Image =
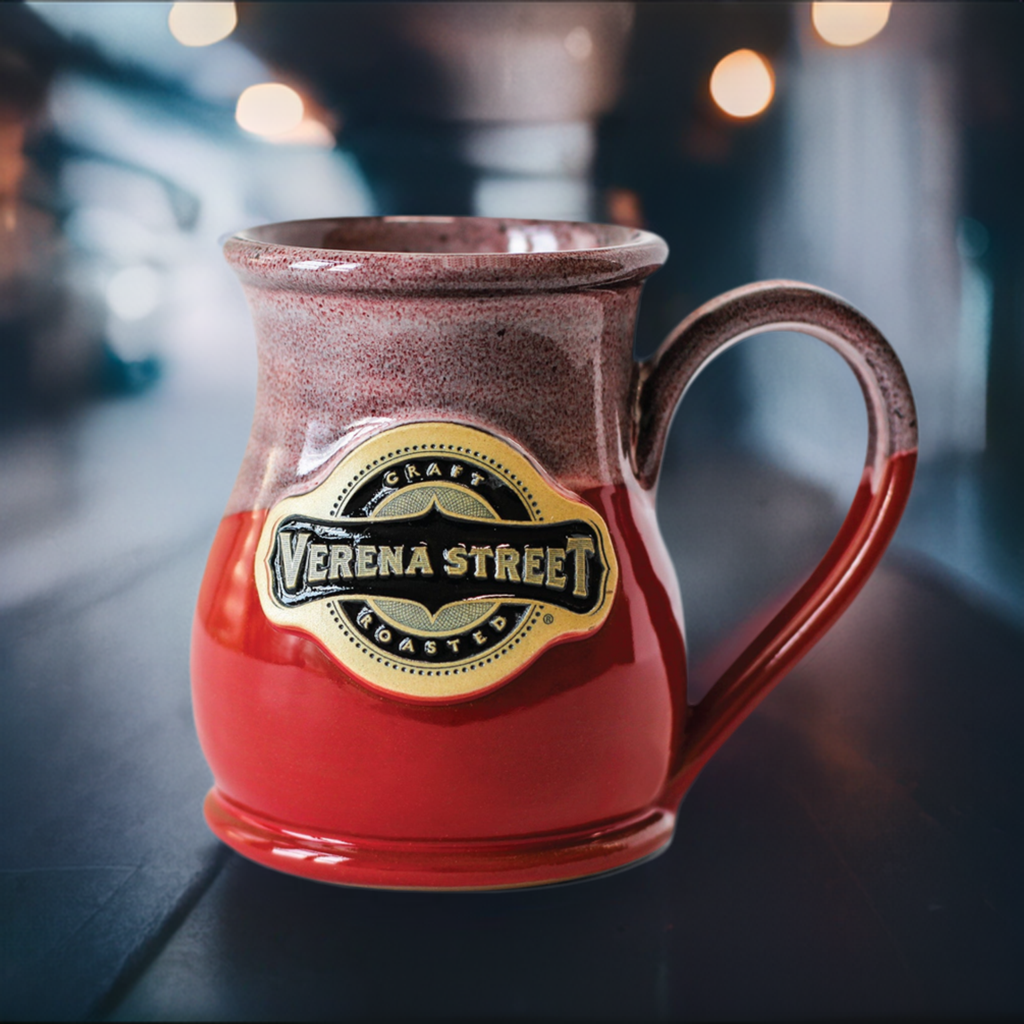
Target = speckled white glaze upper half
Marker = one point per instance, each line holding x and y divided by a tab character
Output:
523	328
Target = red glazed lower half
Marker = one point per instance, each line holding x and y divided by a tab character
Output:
553	776
573	768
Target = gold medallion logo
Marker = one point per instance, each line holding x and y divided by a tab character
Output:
435	562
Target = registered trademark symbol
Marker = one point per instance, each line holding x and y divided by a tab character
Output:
435	559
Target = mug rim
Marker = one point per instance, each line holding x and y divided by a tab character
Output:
267	256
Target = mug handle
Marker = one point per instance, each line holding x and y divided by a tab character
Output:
659	385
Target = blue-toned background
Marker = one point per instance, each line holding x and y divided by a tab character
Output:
855	850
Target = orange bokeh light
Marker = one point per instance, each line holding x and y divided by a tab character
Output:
849	24
742	84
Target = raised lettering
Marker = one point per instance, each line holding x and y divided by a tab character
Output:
407	645
498	623
341	561
383	635
365	617
476	479
430	647
292	547
456	471
555	561
505	561
316	563
412	473
390	560
455	559
453	645
364	560
391	478
479	638
582	548
419	562
481	555
433	470
531	566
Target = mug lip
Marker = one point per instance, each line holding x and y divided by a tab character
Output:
260	259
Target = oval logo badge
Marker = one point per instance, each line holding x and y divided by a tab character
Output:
435	562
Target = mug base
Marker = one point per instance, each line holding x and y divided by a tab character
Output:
435	865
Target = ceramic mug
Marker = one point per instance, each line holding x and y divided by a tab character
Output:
438	643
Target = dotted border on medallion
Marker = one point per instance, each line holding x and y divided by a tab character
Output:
481	460
423	678
526	626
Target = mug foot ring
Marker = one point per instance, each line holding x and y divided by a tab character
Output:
438	865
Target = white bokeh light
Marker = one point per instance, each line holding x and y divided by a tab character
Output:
849	24
309	132
579	44
270	108
202	24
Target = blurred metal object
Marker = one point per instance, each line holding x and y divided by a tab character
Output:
454	108
528	62
528	81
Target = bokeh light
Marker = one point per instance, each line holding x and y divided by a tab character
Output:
579	43
849	24
202	24
742	84
270	108
310	132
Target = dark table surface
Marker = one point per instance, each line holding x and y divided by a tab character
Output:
855	850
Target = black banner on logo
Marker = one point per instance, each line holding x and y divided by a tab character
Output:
436	559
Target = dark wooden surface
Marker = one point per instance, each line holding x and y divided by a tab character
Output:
855	850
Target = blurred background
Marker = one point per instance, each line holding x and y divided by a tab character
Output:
870	148
856	851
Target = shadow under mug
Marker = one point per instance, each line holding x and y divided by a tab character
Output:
439	640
